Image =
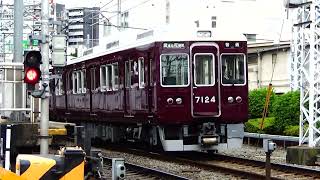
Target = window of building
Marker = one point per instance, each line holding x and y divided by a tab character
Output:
214	21
167	12
204	69
233	69
124	19
106	28
174	69
141	72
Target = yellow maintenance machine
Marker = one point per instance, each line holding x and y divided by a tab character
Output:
67	165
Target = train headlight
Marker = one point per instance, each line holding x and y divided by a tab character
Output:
230	99
237	44
238	99
179	100
170	101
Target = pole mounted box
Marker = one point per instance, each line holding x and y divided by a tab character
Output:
59	46
118	169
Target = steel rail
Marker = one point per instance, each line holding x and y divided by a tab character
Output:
241	167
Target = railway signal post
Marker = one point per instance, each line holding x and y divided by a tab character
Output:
268	147
44	123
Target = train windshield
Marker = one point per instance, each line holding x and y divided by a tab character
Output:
174	70
233	69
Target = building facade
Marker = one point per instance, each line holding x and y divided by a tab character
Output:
83	27
269	63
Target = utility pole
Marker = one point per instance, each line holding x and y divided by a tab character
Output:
306	44
17	98
119	14
44	123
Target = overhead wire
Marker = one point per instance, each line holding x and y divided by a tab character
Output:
112	25
127	10
90	14
278	47
269	91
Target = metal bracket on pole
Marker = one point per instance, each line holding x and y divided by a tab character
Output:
40	93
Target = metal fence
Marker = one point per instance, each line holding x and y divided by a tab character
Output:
283	139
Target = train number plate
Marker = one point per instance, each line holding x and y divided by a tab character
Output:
205	99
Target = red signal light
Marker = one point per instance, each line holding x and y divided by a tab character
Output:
32	75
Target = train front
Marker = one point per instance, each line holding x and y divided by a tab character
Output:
202	100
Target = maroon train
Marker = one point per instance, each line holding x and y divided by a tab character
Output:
184	92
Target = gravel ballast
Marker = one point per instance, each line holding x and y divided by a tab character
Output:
179	169
248	152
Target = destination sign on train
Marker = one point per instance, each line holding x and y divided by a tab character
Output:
173	45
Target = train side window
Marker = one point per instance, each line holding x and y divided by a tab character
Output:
103	78
141	72
151	72
83	81
59	87
115	76
93	78
204	66
78	78
174	70
74	82
109	77
233	69
70	82
128	74
56	82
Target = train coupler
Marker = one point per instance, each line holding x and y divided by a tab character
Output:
208	140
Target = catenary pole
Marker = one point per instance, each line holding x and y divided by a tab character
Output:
17	56
44	139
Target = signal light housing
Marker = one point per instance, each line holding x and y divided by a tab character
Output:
32	75
32	72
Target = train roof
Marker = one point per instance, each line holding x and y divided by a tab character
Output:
131	39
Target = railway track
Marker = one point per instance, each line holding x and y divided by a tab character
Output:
134	172
240	167
249	168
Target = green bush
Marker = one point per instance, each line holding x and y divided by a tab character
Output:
286	110
291	130
257	100
253	125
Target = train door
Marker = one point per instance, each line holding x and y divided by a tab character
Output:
150	81
204	88
127	87
141	103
